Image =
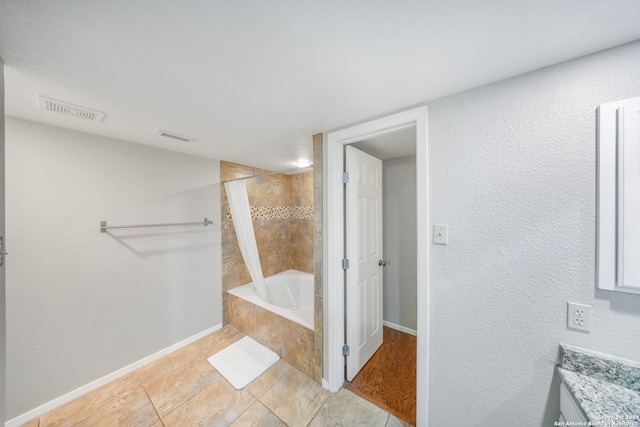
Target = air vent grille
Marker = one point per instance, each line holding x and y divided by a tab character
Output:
70	109
174	135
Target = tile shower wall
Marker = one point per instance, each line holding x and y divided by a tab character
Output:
317	252
287	224
282	212
292	342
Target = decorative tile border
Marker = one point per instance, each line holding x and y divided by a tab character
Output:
269	212
279	212
301	212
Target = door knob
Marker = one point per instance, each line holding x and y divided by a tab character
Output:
382	263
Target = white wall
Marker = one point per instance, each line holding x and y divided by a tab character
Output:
513	172
400	275
82	304
3	341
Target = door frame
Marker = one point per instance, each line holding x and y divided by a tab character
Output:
333	236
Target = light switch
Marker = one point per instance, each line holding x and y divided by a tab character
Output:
440	234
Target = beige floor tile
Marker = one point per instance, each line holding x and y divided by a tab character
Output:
295	398
268	378
345	408
188	354
213	343
130	409
219	404
258	416
397	422
168	363
92	402
178	386
32	423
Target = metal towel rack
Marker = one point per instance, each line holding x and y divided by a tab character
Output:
104	227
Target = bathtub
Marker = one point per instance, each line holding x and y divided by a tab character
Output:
289	295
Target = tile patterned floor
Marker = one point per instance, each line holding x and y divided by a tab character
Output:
183	389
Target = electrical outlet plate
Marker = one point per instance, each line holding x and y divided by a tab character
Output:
579	316
440	234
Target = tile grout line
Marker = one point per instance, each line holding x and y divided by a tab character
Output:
188	400
243	412
319	409
114	397
267	390
270	411
111	400
244	388
201	353
149	398
272	385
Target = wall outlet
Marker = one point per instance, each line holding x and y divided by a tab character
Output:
579	316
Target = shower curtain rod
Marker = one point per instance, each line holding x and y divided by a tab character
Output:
270	173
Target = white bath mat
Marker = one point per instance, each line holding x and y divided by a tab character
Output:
243	361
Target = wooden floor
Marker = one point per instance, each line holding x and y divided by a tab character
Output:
389	378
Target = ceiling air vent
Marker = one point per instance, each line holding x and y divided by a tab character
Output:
73	110
174	135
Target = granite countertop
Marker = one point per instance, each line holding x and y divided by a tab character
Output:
606	388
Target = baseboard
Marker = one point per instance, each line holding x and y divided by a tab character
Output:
400	328
59	401
325	384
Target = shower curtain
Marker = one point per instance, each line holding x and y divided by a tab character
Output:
241	215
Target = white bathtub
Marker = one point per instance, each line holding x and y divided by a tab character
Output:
289	294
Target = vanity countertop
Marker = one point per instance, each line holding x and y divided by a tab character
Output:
606	388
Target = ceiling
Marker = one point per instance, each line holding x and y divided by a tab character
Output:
252	80
390	145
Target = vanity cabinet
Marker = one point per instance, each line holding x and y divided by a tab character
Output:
569	409
598	389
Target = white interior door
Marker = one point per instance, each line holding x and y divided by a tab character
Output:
364	251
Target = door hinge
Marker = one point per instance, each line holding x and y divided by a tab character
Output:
345	263
345	350
3	252
345	177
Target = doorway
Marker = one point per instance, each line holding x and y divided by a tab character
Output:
387	378
333	236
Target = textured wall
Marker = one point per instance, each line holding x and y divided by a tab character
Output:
284	242
400	275
512	171
82	304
